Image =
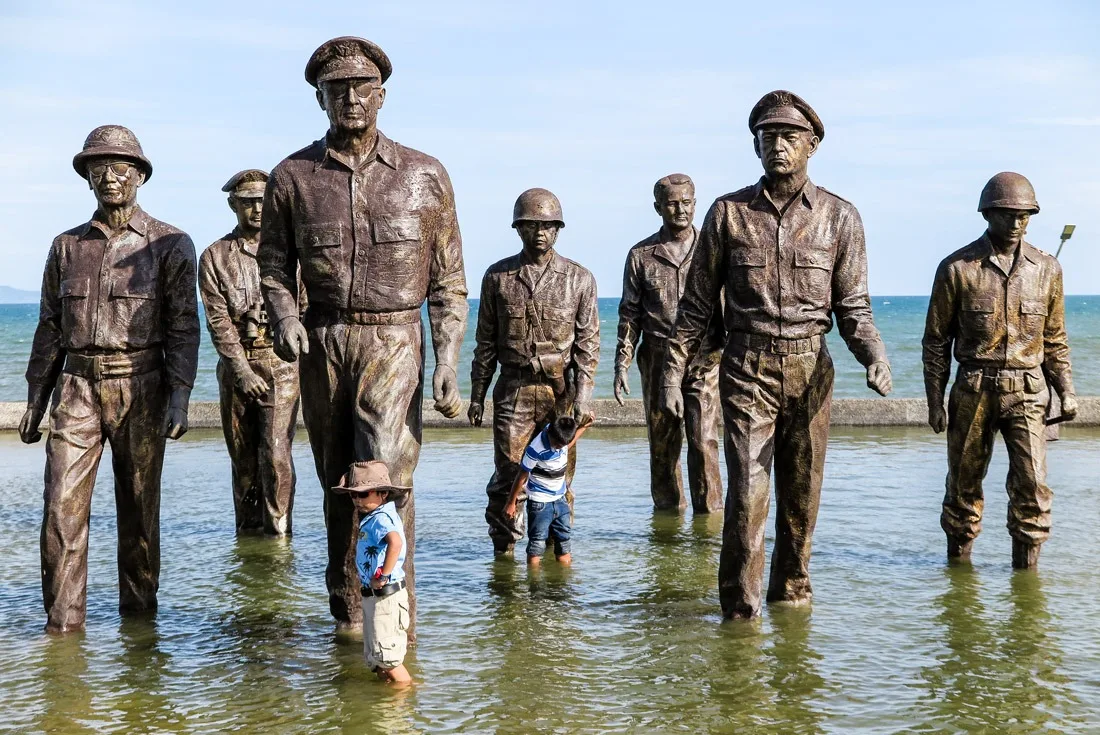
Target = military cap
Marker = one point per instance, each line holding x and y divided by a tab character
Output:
785	108
242	180
347	57
111	141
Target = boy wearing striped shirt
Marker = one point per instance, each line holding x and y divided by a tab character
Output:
542	476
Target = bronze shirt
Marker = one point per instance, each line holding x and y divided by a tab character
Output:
563	300
1010	320
379	238
784	275
229	283
105	291
653	284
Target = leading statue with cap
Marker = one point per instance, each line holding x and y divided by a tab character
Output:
117	348
372	225
258	392
790	257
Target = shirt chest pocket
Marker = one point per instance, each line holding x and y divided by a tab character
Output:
558	323
74	301
319	236
514	318
134	307
977	316
399	236
1033	315
813	273
748	266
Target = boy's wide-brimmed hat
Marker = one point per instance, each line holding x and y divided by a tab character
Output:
362	477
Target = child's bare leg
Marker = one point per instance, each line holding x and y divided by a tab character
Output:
398	675
565	559
534	561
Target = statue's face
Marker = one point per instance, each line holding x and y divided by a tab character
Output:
249	211
351	104
1007	225
677	207
784	149
115	181
538	237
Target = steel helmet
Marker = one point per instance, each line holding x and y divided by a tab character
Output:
1008	190
537	205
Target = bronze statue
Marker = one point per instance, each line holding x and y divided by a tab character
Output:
117	346
372	224
998	303
790	255
653	282
538	320
258	391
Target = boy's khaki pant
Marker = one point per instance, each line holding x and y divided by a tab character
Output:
385	626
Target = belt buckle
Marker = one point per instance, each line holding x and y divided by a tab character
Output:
779	346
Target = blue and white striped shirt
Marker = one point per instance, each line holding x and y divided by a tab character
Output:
547	467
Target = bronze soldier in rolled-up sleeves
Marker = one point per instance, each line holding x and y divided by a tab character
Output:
258	391
538	320
372	224
117	346
653	282
790	256
998	302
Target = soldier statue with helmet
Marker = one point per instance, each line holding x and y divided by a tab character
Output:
258	391
997	305
538	320
117	348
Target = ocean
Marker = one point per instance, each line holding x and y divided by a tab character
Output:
899	318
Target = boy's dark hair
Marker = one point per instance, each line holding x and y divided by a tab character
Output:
562	430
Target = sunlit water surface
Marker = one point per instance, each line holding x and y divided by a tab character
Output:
629	640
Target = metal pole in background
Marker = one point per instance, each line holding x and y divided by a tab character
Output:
1054	410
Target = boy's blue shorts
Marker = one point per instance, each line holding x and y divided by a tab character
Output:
548	521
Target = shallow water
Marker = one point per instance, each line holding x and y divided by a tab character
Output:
630	639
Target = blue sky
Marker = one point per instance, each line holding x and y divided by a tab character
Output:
595	101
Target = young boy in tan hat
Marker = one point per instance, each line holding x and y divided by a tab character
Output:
379	555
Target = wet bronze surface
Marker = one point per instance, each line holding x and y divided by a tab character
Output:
997	305
117	346
371	225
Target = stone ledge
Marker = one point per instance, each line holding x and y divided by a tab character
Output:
846	412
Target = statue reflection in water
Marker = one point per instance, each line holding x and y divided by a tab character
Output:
998	670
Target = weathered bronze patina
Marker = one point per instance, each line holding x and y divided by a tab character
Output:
372	225
258	391
117	347
998	302
653	282
538	320
790	256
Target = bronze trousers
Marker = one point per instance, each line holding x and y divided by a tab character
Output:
259	435
522	407
974	418
361	394
666	434
129	413
776	409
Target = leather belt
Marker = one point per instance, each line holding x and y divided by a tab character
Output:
322	317
383	592
776	345
258	352
114	364
998	380
523	372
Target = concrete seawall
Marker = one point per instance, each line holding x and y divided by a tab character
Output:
846	412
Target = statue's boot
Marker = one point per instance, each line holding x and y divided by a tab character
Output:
958	550
1025	555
